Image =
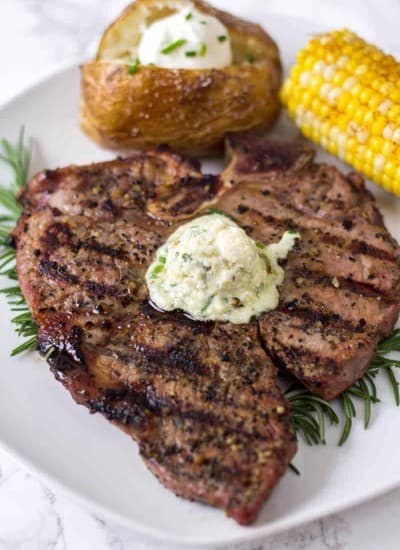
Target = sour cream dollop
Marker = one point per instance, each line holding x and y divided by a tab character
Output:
211	269
188	39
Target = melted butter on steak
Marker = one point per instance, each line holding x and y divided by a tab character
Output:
213	271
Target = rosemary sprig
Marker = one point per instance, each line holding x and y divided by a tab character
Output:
365	389
17	157
311	413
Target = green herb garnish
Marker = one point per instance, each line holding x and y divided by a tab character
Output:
250	58
157	269
210	211
133	69
188	16
207	304
365	389
173	46
203	49
17	157
310	413
187	257
222	38
191	53
160	266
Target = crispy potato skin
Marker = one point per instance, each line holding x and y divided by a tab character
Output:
189	110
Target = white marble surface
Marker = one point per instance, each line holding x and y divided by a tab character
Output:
38	37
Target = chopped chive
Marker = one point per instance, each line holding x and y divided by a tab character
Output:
173	46
222	37
208	303
188	16
250	58
162	259
133	69
157	270
260	245
187	257
191	53
203	22
203	49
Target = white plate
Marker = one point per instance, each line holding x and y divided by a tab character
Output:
94	462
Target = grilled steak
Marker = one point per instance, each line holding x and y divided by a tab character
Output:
341	293
201	399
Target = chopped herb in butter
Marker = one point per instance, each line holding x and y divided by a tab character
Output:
211	269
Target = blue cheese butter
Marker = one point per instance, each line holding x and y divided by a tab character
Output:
212	270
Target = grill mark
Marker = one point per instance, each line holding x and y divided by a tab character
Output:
180	357
294	354
57	234
360	289
129	405
57	272
354	246
308	381
217	473
359	247
99	247
101	290
196	374
328	319
60	234
178	318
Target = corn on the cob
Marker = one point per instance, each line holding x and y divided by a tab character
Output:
344	94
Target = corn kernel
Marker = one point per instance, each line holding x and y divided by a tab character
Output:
345	95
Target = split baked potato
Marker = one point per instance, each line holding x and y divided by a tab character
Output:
190	110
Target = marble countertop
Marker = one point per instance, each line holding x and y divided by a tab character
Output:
37	37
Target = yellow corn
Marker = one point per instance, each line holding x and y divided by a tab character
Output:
344	94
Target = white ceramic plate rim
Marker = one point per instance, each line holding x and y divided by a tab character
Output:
257	533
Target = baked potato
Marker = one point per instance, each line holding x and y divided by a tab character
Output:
190	110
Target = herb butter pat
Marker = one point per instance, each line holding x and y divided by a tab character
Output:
188	39
212	270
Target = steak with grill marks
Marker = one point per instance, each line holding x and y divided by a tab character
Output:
201	399
341	292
